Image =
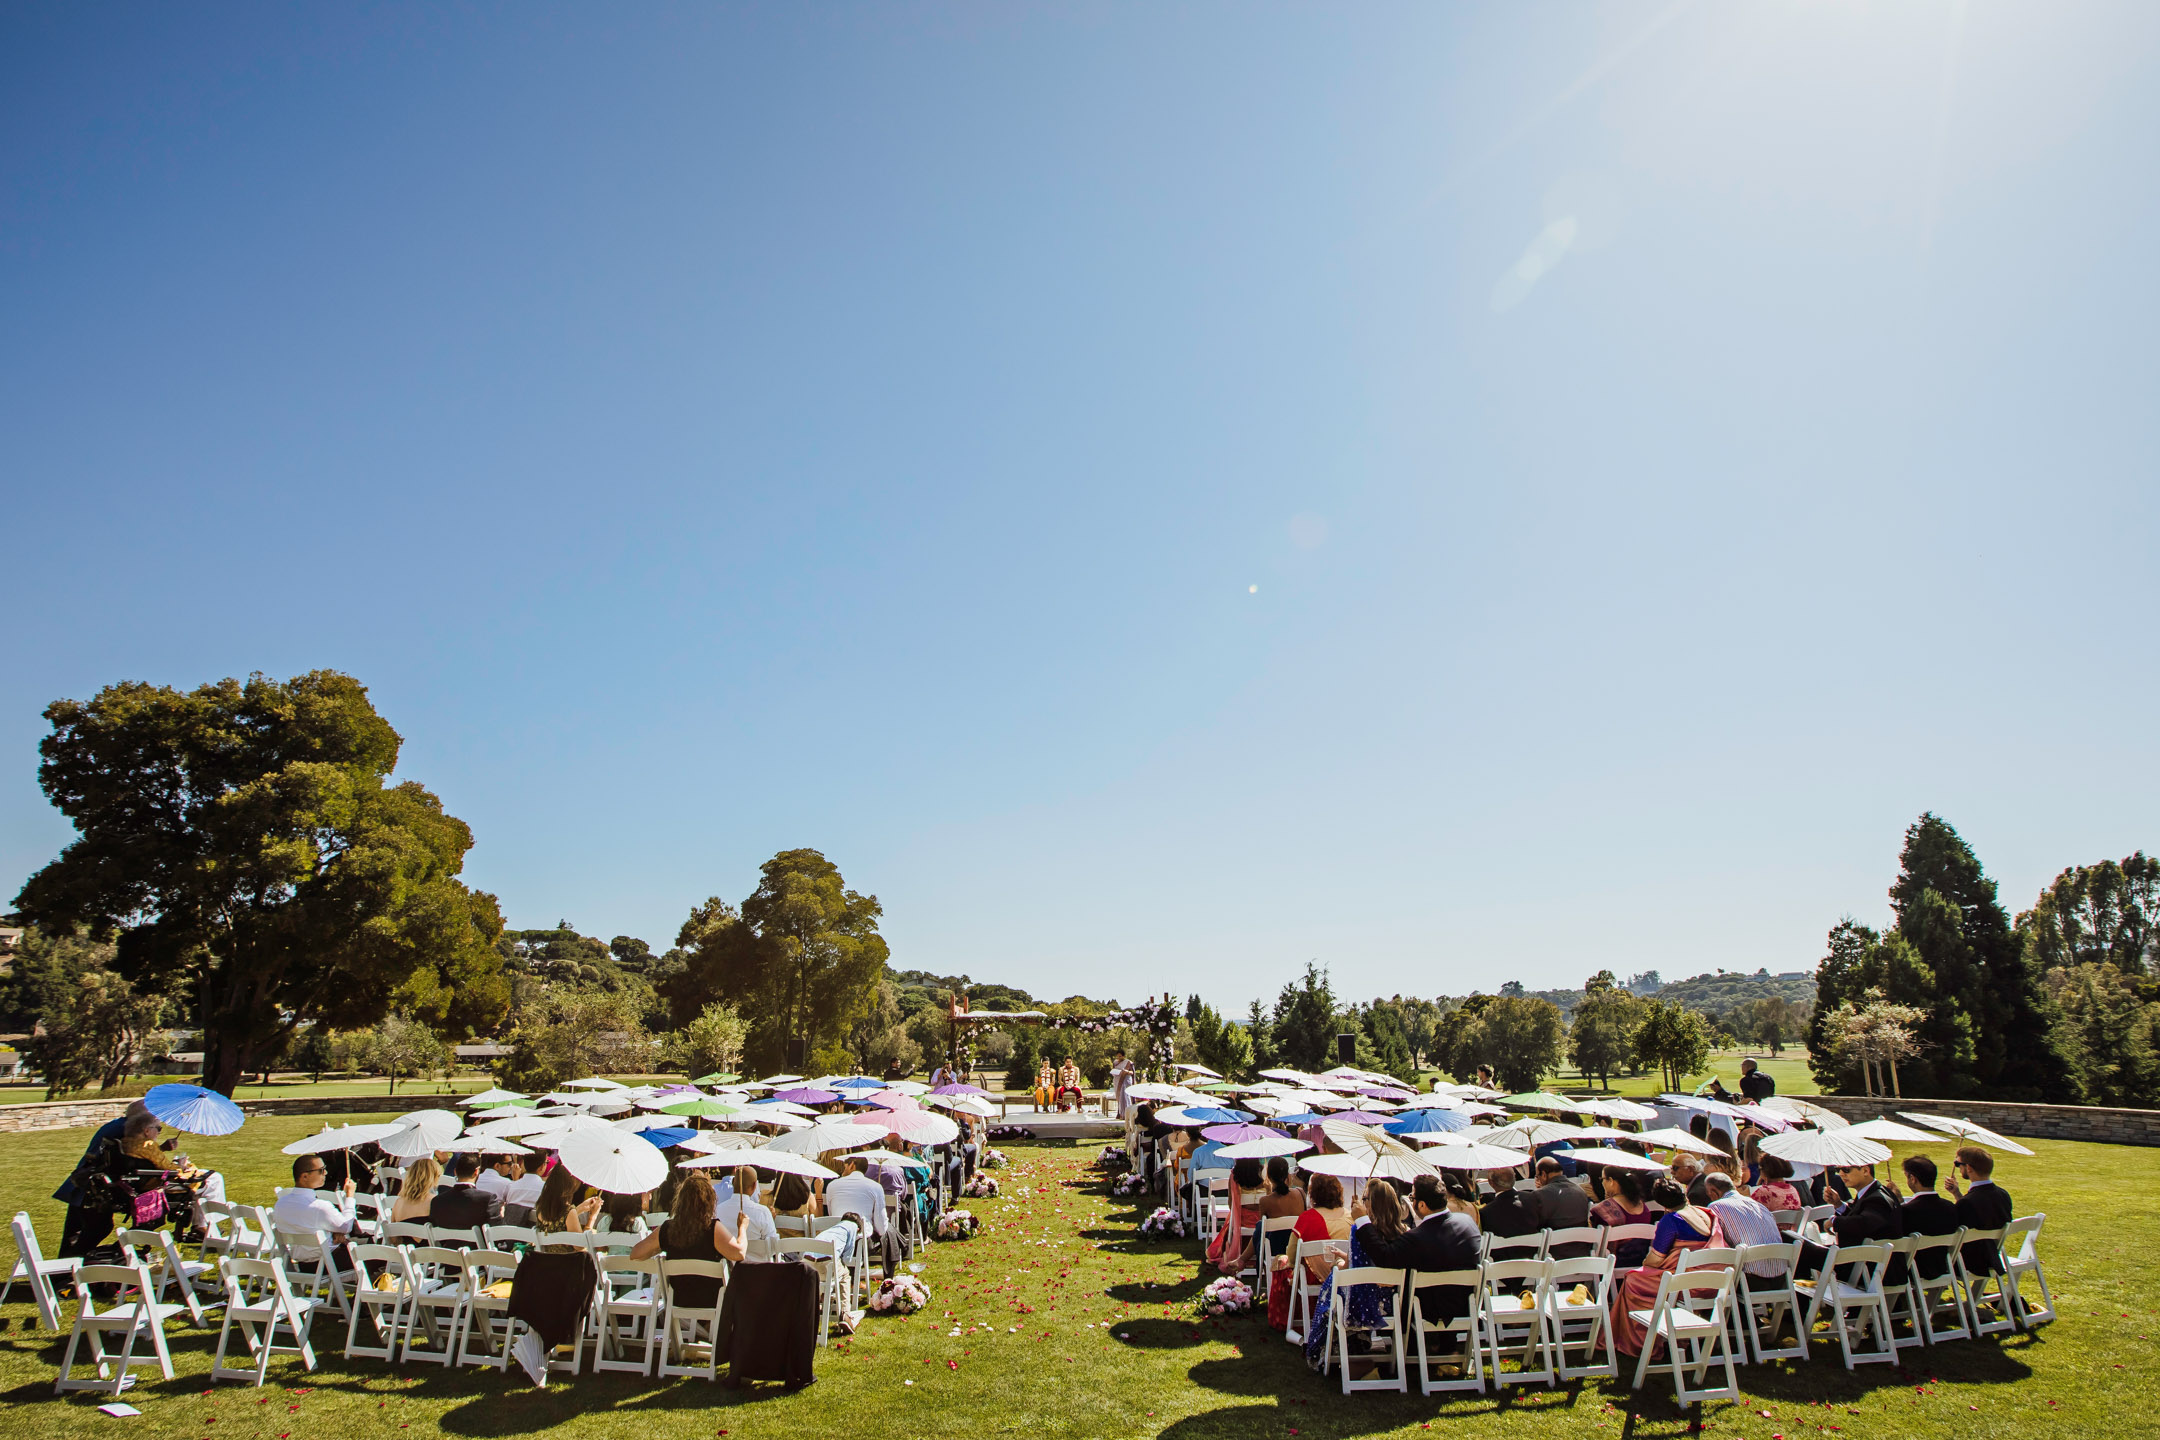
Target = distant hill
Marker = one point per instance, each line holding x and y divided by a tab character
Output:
1711	994
1716	994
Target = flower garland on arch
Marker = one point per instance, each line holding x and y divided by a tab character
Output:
1157	1019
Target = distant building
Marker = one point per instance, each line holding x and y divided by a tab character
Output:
480	1053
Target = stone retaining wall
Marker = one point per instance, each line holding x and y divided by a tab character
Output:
2045	1122
69	1114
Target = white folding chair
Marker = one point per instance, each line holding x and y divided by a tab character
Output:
1211	1202
1986	1291
1511	1248
1587	1237
451	1237
1764	1304
1467	1327
259	1301
437	1304
1901	1295
382	1302
1340	1325
856	1259
1273	1239
407	1232
823	1252
1934	1305
1859	1295
1691	1338
1514	1327
370	1214
1304	1289
502	1237
1580	1327
481	1270
629	1315
688	1327
157	1250
34	1270
316	1277
133	1314
2021	1257
1618	1235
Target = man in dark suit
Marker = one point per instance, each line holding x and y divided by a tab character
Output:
1561	1205
1927	1213
1757	1086
1443	1239
1510	1212
1872	1217
1986	1206
461	1204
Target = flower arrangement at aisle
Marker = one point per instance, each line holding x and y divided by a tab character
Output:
900	1295
980	1187
1113	1158
1225	1296
957	1225
1164	1224
992	1160
1128	1185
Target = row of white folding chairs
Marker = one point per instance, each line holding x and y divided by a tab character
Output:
257	1302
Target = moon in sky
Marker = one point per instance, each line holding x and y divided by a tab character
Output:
1252	590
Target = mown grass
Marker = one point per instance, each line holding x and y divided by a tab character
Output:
1070	1326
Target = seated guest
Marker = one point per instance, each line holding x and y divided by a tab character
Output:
691	1233
745	1202
522	1193
1561	1204
1461	1197
1986	1206
494	1176
304	1209
1687	1173
1625	1204
856	1194
623	1215
1326	1218
417	1192
792	1197
1871	1217
139	1143
1443	1239
1744	1222
1510	1212
462	1205
1927	1213
1776	1190
1684	1227
559	1210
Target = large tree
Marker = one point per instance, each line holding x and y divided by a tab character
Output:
801	960
1601	1041
244	848
1302	1030
1522	1039
2104	914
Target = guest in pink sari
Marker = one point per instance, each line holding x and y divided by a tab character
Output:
1687	1227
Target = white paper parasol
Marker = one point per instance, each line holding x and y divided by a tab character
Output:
1672	1137
784	1162
819	1139
1475	1157
1264	1149
490	1097
1821	1116
342	1137
1885	1129
1826	1147
1967	1130
611	1160
917	1127
1610	1159
1367	1167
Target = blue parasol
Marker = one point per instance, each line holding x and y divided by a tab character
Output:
857	1082
1302	1118
665	1135
1428	1122
193	1109
1213	1115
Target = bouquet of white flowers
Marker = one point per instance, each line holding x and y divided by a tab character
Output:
1226	1296
981	1187
900	1295
992	1160
957	1225
1127	1186
1164	1224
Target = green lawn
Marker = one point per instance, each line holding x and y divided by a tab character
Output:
1071	1327
1789	1070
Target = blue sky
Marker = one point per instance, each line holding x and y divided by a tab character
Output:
1158	494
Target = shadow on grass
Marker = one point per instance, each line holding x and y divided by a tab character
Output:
1159	1334
1158	1293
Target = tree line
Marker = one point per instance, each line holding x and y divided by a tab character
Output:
1956	999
